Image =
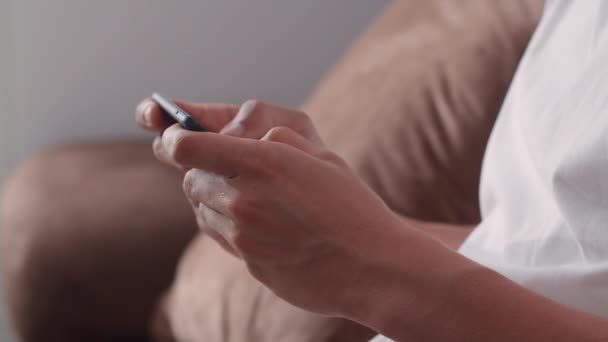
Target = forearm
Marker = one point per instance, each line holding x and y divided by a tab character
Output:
451	235
485	306
426	292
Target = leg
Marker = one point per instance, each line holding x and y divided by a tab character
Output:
215	298
91	237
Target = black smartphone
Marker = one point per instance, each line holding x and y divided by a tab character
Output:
178	114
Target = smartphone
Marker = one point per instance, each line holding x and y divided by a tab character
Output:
178	114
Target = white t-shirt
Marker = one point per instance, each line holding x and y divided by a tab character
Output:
544	189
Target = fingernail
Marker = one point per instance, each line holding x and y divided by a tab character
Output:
148	114
141	110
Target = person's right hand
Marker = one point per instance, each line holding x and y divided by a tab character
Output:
254	119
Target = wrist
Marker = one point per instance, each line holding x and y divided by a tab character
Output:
408	279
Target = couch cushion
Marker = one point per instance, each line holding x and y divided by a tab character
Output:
412	104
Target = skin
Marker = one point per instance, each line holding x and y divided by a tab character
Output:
306	226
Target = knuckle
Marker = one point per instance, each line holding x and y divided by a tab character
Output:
279	133
257	105
254	110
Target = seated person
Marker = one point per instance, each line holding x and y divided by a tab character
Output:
296	216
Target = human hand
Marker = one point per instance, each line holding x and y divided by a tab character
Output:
252	120
293	211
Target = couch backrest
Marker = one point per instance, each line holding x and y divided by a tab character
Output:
412	104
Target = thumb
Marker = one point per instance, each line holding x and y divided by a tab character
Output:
289	137
256	118
292	138
213	116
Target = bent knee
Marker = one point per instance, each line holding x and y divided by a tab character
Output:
33	201
46	195
29	205
48	188
43	256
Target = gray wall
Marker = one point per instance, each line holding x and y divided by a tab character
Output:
83	65
74	70
7	83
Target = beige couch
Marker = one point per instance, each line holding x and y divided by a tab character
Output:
410	107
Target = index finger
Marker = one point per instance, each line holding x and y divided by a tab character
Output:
213	116
221	154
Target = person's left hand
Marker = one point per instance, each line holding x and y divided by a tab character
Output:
292	210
